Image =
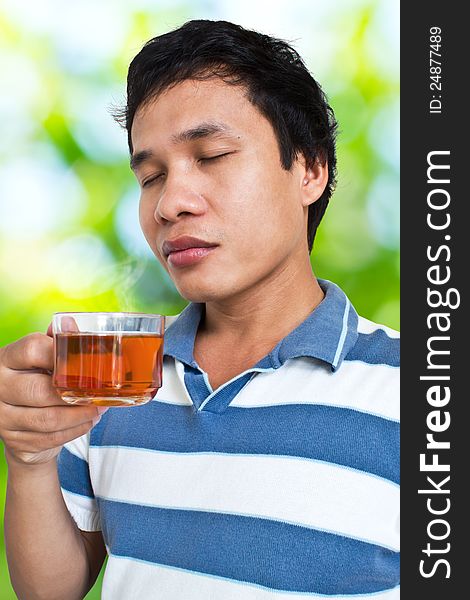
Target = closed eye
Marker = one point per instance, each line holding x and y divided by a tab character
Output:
151	180
205	159
212	158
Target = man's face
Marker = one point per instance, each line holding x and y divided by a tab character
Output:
209	167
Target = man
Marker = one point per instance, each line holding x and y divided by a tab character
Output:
267	464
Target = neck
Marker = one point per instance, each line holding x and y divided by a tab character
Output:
237	332
265	314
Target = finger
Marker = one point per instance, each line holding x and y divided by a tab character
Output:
49	330
34	351
32	441
68	325
47	419
63	324
28	388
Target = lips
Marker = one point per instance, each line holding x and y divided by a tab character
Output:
186	250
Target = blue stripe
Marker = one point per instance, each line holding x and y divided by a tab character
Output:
376	349
331	434
74	475
241	513
259	551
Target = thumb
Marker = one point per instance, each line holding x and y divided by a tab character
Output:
67	324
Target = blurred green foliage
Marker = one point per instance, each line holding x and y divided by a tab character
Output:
69	235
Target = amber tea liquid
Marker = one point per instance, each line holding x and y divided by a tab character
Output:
108	369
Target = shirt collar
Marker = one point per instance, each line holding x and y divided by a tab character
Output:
180	335
327	334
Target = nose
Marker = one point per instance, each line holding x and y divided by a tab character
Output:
178	198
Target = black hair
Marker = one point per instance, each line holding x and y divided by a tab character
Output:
274	75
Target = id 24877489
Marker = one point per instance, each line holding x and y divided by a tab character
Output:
435	70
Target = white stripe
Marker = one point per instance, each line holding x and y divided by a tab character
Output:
372	389
208	383
127	579
79	446
173	390
84	511
366	326
342	337
299	491
170	319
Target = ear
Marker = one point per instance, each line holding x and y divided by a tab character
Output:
313	181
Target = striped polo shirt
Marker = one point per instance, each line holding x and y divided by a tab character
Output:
280	484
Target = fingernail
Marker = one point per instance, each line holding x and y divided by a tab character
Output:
96	420
102	409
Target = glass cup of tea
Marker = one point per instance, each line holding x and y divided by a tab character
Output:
107	358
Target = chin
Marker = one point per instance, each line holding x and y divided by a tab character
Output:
201	295
204	291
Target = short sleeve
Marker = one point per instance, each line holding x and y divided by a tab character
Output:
75	482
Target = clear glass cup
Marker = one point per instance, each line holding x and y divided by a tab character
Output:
108	359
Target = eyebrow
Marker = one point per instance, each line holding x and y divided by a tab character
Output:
203	130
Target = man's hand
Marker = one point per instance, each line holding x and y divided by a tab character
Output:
34	420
